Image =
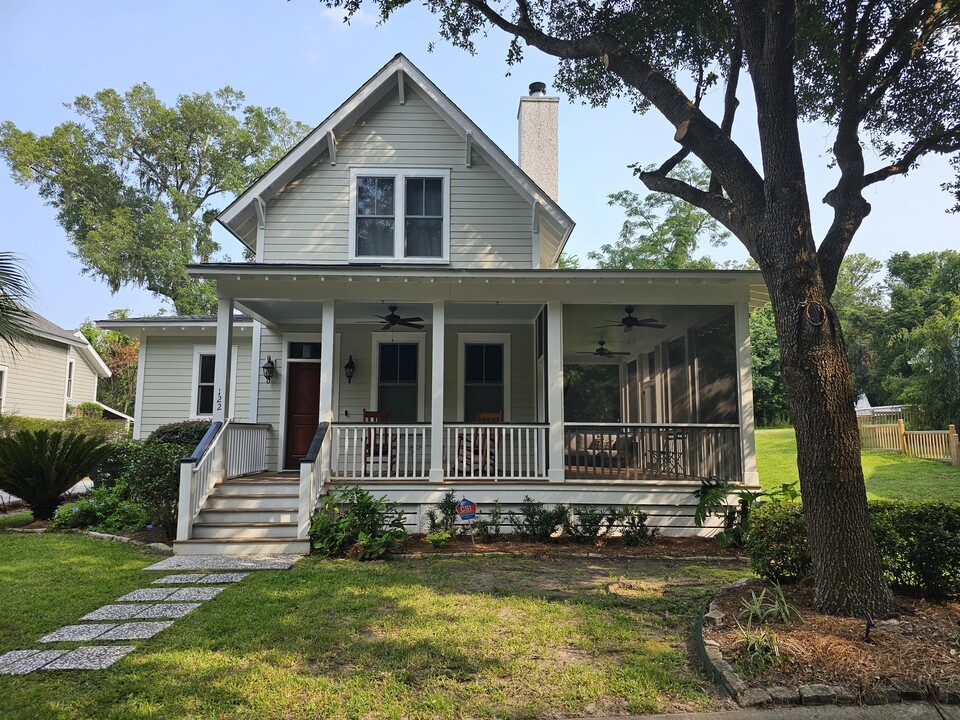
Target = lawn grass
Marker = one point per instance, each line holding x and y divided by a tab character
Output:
15	519
889	475
477	637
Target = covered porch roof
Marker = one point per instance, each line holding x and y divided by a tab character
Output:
281	294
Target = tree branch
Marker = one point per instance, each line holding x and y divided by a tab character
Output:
730	102
716	206
670	163
946	142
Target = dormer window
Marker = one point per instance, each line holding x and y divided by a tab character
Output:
400	215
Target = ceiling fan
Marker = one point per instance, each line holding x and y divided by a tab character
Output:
393	319
629	322
601	350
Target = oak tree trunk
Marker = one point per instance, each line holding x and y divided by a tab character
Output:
847	571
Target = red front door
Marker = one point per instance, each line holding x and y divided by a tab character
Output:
303	410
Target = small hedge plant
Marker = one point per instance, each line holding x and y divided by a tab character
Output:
94	427
355	521
103	509
919	544
153	476
184	432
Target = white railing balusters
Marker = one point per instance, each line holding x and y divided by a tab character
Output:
491	451
313	476
380	451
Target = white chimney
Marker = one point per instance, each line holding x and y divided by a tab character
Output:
538	145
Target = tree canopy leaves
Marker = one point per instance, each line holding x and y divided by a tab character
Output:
135	181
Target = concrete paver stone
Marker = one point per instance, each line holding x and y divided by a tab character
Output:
217	578
166	610
77	633
148	595
191	594
26	661
115	612
136	630
226	563
185	579
95	657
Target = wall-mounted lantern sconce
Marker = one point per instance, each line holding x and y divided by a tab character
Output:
268	369
349	369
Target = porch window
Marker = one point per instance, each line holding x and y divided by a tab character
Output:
399	215
679	380
397	390
482	379
716	371
205	375
3	386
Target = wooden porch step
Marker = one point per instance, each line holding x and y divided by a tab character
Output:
247	516
242	546
231	488
244	530
247	501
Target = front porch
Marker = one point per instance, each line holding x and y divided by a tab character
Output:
557	388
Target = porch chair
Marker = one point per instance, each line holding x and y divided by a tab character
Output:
478	447
377	448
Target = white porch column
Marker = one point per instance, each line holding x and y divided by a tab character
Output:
327	338
555	390
222	369
748	445
436	393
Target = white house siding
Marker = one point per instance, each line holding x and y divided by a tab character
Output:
168	378
36	381
308	221
269	394
84	380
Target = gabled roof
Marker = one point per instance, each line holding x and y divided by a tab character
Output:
240	217
40	327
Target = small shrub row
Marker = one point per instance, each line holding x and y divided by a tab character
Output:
356	522
95	427
185	432
536	521
919	544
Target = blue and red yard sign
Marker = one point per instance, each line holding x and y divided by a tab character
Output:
467	509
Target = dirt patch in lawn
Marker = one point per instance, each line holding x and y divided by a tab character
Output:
920	646
671	547
147	535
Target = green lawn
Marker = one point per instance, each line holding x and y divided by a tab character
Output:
888	475
493	637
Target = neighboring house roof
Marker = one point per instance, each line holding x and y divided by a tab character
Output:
40	327
240	217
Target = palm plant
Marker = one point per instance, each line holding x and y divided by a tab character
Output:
15	292
38	467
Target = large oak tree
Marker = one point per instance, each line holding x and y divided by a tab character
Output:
883	74
135	182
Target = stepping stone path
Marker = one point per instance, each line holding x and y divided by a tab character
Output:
140	614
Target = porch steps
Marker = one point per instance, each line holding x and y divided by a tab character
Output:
254	515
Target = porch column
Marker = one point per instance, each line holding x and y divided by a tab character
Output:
222	369
555	390
327	338
436	393
748	446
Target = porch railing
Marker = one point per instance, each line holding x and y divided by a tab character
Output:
486	451
246	448
381	451
313	476
199	473
640	450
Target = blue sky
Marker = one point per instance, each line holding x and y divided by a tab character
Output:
300	57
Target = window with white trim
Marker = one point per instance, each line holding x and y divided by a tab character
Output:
70	371
202	392
205	375
400	215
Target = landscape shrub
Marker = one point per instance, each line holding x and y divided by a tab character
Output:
114	464
488	528
184	432
632	523
587	523
103	509
86	409
153	476
443	518
95	427
919	544
534	521
38	467
356	519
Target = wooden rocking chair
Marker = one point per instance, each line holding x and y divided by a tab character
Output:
379	449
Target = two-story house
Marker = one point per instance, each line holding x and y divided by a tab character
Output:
404	327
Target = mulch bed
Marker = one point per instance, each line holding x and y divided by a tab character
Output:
682	547
153	535
922	645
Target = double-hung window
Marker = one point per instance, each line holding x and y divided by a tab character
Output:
400	215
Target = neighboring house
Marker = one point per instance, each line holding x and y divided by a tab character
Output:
405	328
52	369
